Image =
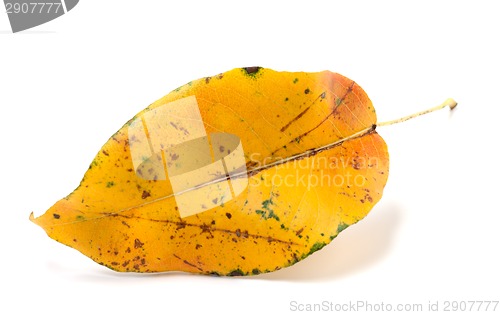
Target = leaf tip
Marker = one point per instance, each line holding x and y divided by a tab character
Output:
33	219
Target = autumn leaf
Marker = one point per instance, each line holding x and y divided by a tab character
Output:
245	172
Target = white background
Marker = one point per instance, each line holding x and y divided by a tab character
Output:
67	85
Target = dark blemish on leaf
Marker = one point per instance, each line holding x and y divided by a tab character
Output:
143	261
236	273
56	216
306	91
181	225
130	170
138	243
214	201
222	149
295	80
299	231
174	156
115	252
105	153
128	250
251	70
125	263
114	263
213	222
323	95
174	125
238	232
136	267
172	237
255	271
125	223
207	80
234	240
74	240
145	194
228	215
198	246
286	99
205	228
242	257
356	165
110	184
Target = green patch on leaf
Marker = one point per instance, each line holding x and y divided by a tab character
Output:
342	226
316	246
267	214
236	273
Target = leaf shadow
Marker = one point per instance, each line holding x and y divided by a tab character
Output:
357	248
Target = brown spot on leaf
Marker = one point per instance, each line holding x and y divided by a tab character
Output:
105	153
56	216
228	215
173	125
251	70
299	231
181	225
145	194
138	243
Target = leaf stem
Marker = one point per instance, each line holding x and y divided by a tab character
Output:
448	103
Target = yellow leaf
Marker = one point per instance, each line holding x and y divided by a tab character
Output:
241	173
